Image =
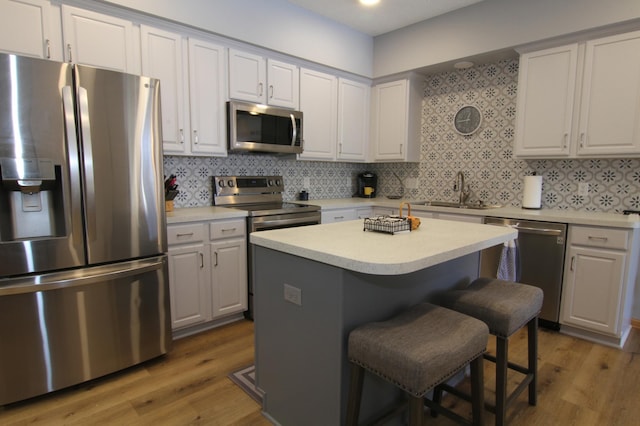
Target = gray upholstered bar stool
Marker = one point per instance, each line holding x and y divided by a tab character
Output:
416	350
506	307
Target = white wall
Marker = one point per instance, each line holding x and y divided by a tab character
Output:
274	24
490	26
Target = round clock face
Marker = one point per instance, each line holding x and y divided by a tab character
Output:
467	120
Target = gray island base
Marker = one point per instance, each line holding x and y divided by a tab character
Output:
315	284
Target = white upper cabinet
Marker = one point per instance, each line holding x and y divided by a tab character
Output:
546	90
283	88
319	104
98	40
192	85
395	121
253	78
580	100
610	109
164	57
30	28
207	83
353	120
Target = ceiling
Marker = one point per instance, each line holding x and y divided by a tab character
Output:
388	15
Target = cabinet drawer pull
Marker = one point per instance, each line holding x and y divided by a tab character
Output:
181	136
216	263
195	137
603	239
260	89
48	49
338	217
271	91
186	234
69	52
201	261
228	230
573	261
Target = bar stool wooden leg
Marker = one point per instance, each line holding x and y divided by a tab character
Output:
502	349
532	335
477	391
355	394
416	410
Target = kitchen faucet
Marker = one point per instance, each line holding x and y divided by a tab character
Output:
458	185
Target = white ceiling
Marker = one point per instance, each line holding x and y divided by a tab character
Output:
388	15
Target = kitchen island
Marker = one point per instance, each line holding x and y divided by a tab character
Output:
314	284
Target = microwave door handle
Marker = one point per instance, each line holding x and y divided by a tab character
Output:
295	130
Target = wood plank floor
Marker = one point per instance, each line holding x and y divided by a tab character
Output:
580	383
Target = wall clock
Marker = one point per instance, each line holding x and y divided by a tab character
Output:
467	120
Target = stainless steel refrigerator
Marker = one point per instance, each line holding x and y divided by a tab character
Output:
83	273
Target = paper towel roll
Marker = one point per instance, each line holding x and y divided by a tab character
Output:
532	197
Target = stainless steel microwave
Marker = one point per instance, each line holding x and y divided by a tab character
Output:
261	128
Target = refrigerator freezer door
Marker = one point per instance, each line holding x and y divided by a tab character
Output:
40	198
119	121
69	327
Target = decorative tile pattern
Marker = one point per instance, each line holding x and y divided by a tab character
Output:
328	180
486	157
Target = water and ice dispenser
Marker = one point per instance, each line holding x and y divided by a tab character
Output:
30	199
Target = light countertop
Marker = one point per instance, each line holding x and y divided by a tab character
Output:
346	245
198	214
547	215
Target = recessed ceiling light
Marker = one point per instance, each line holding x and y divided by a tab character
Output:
369	2
463	65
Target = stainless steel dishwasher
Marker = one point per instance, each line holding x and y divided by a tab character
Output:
540	261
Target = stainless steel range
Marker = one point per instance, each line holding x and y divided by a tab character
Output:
261	198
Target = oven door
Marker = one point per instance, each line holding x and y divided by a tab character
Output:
265	223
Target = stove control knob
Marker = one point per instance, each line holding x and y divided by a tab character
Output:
221	183
278	182
269	182
230	183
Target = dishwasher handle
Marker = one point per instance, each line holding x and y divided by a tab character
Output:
541	231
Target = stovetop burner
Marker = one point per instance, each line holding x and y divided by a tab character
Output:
258	195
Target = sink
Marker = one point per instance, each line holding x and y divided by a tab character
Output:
477	205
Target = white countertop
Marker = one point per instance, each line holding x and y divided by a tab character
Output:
547	215
346	245
198	214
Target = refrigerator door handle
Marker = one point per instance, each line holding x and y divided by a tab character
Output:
72	146
85	128
55	281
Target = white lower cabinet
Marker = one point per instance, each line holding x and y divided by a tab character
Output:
598	282
207	271
338	215
189	273
228	268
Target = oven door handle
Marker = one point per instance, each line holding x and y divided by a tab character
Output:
283	223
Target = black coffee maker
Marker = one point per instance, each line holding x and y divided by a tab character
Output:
367	185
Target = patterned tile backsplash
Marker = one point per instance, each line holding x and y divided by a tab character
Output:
485	158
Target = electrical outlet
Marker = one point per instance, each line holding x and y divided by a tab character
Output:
293	294
583	189
347	181
306	182
411	183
